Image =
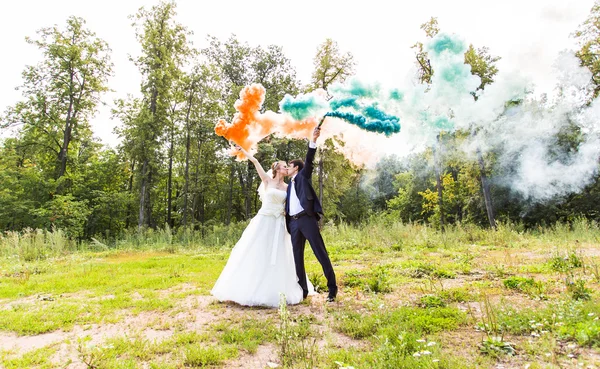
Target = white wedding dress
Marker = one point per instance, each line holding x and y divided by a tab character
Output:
261	265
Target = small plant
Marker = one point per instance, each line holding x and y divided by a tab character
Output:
20	276
443	274
378	281
398	246
91	355
341	365
318	281
499	270
353	278
577	289
518	283
456	295
595	269
431	301
176	271
493	344
201	356
497	347
421	271
566	263
297	349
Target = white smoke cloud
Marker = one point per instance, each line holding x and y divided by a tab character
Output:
522	136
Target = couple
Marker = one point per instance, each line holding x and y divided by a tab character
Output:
269	257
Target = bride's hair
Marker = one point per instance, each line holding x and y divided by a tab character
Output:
274	167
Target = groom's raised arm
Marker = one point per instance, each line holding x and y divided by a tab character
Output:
310	155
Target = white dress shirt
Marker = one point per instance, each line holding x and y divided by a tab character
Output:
295	206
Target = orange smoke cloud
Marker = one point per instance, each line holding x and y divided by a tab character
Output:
249	126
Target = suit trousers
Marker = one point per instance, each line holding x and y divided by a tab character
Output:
307	228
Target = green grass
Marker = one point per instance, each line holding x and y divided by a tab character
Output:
407	291
95	288
39	358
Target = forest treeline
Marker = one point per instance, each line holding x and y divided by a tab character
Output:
171	169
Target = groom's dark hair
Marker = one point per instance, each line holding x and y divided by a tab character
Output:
298	163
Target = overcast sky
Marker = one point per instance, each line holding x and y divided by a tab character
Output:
527	34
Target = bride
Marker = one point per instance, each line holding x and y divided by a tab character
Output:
261	265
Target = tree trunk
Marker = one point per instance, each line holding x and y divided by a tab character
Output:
129	190
170	180
230	200
187	158
186	175
149	220
143	193
485	186
439	185
62	156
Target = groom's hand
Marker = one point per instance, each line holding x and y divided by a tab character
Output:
316	134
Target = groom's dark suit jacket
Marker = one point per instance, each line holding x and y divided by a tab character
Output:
304	190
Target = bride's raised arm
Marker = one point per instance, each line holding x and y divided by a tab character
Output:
261	172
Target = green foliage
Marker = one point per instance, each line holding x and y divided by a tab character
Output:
568	320
32	245
67	214
424	270
518	283
169	168
38	358
588	38
76	287
297	344
424	69
497	347
61	95
456	295
331	66
578	289
482	64
203	356
354	205
410	319
248	335
565	263
376	280
431	301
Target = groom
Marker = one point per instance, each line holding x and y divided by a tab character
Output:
302	213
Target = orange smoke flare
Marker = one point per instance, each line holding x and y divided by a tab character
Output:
249	126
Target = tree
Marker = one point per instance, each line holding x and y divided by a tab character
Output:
424	75
202	90
240	65
62	91
164	49
588	38
424	69
483	65
331	66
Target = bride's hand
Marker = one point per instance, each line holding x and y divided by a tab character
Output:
243	151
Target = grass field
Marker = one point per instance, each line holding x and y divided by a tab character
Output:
410	297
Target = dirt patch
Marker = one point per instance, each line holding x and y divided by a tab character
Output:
264	355
192	313
138	324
